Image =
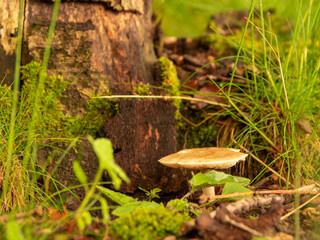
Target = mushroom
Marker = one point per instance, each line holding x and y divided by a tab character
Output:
204	159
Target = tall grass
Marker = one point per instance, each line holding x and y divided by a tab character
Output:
18	189
278	109
6	198
275	114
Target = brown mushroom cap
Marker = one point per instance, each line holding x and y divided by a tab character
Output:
204	158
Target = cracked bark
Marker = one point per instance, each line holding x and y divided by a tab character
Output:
110	43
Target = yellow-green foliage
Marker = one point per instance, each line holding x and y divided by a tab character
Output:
230	43
148	223
98	111
170	80
142	89
51	118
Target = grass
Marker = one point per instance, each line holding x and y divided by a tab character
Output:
273	103
274	116
22	138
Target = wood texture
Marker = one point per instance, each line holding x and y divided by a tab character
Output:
9	17
109	44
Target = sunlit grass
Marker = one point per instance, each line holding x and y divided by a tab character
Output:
276	114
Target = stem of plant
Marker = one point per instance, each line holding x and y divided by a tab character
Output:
90	193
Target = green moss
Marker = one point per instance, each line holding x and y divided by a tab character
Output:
51	117
170	80
98	111
142	89
52	121
148	223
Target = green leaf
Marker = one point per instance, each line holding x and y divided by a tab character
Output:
84	220
235	188
104	151
13	231
215	178
78	171
128	208
87	218
104	210
118	198
80	223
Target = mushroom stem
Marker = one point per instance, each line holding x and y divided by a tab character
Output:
209	192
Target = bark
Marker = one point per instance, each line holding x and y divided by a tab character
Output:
9	16
110	44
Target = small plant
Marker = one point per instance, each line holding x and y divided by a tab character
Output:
184	206
104	151
152	193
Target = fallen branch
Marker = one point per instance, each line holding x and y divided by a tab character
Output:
167	98
311	189
217	225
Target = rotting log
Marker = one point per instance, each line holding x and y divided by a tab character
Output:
110	44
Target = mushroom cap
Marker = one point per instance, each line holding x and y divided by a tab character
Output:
204	158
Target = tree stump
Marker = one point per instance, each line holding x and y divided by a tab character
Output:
108	45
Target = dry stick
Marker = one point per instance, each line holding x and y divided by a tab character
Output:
261	192
242	226
167	98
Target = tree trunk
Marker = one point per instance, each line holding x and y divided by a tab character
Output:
110	44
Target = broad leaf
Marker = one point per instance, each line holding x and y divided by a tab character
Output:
85	219
215	178
104	151
116	197
104	210
13	231
235	188
78	171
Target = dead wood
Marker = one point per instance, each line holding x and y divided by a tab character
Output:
225	223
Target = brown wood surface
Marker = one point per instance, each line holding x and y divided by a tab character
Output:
9	15
110	44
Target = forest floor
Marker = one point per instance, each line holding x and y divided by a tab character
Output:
269	214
